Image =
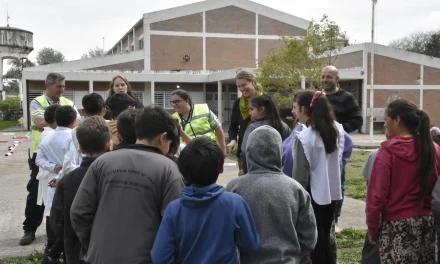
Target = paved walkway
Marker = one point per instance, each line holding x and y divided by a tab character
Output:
14	175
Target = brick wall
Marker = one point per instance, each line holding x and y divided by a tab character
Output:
230	19
70	85
390	71
381	96
167	52
269	26
431	76
130	66
191	23
349	60
226	54
431	100
267	45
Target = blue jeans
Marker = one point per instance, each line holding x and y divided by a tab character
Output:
339	203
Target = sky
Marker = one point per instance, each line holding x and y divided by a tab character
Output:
73	27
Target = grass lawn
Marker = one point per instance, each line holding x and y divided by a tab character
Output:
355	184
7	124
350	244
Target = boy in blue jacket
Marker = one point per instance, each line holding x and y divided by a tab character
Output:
207	224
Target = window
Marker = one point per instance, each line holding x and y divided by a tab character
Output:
233	96
102	94
159	98
139	96
209	96
70	95
141	44
34	94
78	96
196	97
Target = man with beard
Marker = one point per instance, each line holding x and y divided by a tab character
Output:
347	112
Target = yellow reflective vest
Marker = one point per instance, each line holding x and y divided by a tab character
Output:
200	122
44	103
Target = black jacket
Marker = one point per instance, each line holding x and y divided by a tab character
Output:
60	212
237	126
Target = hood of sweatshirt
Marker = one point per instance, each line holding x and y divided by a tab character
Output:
264	150
194	196
401	147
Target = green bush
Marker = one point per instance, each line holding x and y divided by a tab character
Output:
10	109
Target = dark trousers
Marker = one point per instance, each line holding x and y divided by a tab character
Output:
54	246
33	212
324	252
339	203
370	253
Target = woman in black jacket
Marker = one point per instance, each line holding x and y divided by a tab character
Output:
240	116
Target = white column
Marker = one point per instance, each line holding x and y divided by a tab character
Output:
256	40
204	41
122	50
147	47
364	88
303	83
204	93
134	39
147	93
421	86
128	43
1	74
90	86
152	92
24	103
220	102
238	93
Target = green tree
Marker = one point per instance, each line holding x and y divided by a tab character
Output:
282	71
16	67
11	109
12	86
427	43
432	47
326	38
96	52
49	55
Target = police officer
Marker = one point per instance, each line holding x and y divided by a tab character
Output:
55	85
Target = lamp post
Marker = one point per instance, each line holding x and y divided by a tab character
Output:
372	76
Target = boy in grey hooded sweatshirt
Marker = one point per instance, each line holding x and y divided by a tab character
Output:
281	206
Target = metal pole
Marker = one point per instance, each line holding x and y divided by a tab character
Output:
372	77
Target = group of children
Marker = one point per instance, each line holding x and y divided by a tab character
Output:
114	194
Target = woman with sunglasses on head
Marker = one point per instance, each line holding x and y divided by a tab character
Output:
196	120
317	161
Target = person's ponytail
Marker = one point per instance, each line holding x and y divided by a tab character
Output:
427	153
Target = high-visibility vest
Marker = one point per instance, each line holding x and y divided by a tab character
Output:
44	103
198	124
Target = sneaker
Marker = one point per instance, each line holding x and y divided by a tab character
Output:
27	239
338	230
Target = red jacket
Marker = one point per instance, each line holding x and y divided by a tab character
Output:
393	190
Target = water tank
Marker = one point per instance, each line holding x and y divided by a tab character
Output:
15	40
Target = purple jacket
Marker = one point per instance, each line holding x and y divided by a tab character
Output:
287	158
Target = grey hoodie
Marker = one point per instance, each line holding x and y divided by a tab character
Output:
281	207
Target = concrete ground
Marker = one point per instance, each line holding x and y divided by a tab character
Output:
14	175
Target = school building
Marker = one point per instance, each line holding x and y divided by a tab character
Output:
200	47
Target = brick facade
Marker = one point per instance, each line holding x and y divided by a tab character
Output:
267	45
167	53
191	23
226	54
389	71
231	20
431	99
269	26
349	60
431	76
381	96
